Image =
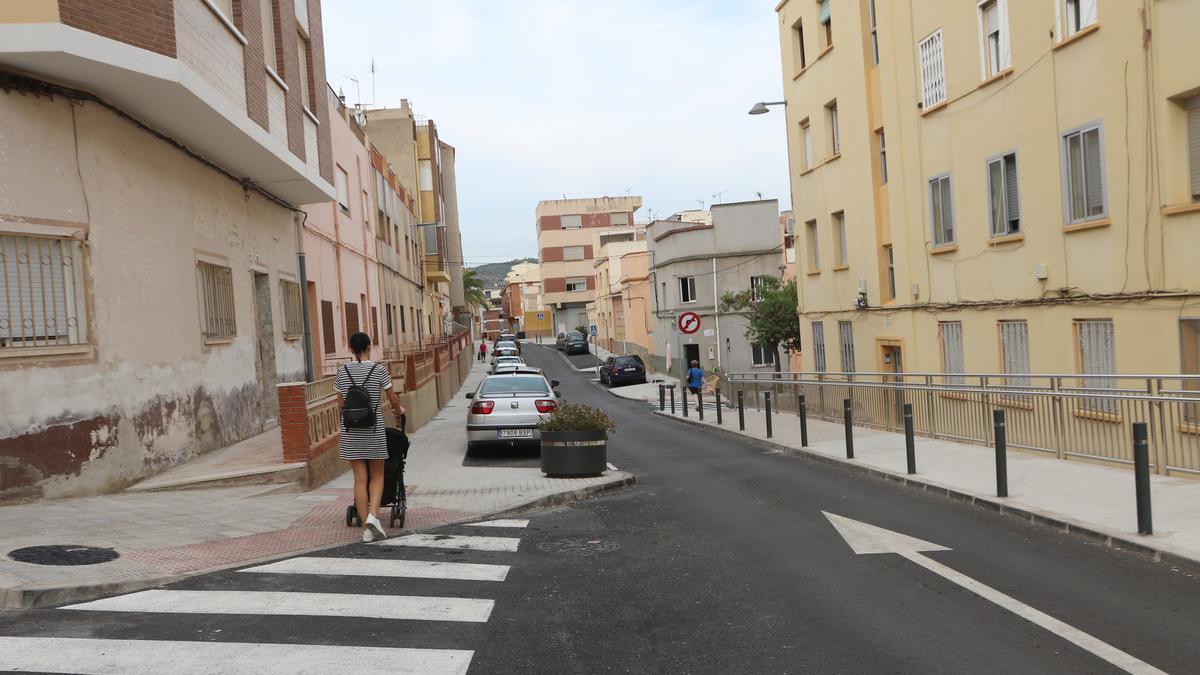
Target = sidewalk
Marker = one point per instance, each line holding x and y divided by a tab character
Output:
1081	497
162	536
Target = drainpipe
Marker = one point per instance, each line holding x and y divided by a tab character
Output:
716	311
308	360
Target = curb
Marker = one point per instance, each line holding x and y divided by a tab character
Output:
1065	525
33	598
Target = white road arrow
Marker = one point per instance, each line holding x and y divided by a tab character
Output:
868	539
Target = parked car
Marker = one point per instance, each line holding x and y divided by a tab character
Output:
575	343
507	361
506	408
627	369
507	344
502	352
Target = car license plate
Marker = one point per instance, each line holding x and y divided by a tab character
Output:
630	370
514	433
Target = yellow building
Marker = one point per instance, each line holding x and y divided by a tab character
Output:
622	327
995	187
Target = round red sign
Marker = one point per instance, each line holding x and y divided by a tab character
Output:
689	322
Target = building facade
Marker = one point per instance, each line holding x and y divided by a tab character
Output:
150	292
976	194
610	304
570	233
521	298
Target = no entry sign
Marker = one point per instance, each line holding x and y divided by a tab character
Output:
689	322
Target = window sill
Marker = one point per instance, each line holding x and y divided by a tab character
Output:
957	395
217	342
934	108
834	156
1007	238
809	170
813	273
293	338
1097	415
1189	428
840	268
995	78
1179	209
1010	402
821	54
1083	32
943	249
275	76
311	116
34	352
1087	225
801	72
237	34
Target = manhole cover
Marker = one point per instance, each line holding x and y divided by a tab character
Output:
64	554
580	547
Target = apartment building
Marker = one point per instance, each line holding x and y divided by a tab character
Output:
615	320
570	232
996	187
521	298
149	278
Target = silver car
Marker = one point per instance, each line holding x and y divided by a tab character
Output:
506	408
506	361
502	352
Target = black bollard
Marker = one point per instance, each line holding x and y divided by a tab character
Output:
910	450
849	420
671	387
1141	477
767	404
1001	453
662	398
741	410
717	392
683	397
803	422
700	404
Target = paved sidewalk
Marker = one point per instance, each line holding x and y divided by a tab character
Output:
163	536
1089	498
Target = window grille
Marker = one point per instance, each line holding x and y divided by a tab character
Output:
933	75
1097	356
293	313
216	296
1014	351
846	339
42	293
951	338
818	329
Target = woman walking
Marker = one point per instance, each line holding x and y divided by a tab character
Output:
361	385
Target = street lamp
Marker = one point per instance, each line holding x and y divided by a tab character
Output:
761	107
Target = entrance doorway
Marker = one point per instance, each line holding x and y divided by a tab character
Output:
893	366
264	352
690	353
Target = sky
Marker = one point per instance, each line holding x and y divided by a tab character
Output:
582	98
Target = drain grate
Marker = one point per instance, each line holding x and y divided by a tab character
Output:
578	547
64	554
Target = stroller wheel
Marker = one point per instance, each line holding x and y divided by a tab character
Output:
351	515
395	516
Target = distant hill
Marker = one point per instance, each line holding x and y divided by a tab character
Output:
493	273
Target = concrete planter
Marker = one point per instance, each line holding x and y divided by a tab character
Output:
572	454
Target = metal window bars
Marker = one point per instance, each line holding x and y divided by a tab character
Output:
216	299
43	300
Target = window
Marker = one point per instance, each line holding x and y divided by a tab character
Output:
403	323
327	334
762	356
1189	364
343	189
755	284
799	59
835	136
387	317
950	338
1097	356
293	309
351	319
225	6
573	253
941	211
846	343
891	272
874	33
375	325
933	72
572	222
301	10
826	21
993	37
1004	210
881	141
216	301
1084	166
267	10
42	293
818	329
1014	352
806	134
618	219
814	250
576	284
1080	15
839	239
1193	142
305	74
790	226
687	289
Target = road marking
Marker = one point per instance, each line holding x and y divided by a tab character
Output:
502	522
455	541
611	467
282	603
87	655
865	539
358	567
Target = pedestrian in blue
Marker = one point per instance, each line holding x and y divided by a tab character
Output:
695	380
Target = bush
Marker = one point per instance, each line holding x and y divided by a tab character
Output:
578	417
582	330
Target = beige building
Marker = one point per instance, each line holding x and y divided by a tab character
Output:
611	314
570	233
996	187
149	279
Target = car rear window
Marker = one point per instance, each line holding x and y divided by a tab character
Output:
628	361
506	345
513	384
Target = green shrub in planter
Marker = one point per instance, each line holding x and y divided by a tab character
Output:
575	441
578	417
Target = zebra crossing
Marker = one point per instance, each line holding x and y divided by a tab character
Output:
298	589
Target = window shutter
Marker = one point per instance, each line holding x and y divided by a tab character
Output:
1012	204
1193	127
933	77
1091	159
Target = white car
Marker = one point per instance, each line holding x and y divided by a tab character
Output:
507	361
506	408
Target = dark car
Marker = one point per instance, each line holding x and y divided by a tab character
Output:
573	343
627	369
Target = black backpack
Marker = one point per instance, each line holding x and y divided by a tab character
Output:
357	410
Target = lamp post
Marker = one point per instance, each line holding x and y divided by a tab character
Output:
761	107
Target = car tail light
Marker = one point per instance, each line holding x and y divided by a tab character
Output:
545	405
615	370
482	407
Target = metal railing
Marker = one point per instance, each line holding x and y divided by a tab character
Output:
1067	415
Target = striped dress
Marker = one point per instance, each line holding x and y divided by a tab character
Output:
364	443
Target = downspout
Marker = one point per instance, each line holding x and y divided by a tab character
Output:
308	360
716	311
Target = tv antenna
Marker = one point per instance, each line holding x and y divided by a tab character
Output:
718	195
701	203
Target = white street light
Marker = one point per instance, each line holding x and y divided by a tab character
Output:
761	107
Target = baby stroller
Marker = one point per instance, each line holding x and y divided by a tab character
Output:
394	493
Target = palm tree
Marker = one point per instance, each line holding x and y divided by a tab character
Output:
473	289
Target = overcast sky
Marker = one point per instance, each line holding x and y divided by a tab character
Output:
585	98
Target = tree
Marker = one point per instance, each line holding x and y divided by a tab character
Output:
772	317
473	289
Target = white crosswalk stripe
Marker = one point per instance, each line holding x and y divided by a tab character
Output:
417	569
454	541
502	522
86	655
296	604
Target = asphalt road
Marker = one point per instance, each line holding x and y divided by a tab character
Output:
719	560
